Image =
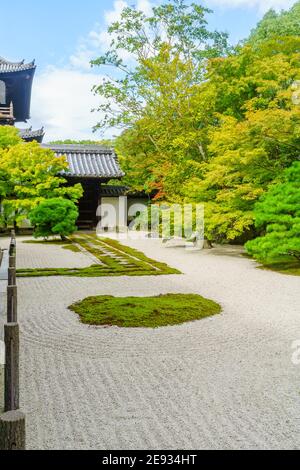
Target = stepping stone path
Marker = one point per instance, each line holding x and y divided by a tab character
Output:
103	250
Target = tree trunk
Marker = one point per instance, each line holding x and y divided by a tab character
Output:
207	244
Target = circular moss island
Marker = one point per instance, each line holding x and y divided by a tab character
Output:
144	312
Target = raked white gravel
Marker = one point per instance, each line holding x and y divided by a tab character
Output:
225	382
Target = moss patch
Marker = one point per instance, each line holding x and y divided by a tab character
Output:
54	241
290	268
114	259
65	244
72	247
145	312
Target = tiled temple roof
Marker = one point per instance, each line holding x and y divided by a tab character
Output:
89	161
7	67
113	191
117	191
29	135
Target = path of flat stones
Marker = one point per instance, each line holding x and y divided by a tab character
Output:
103	249
222	382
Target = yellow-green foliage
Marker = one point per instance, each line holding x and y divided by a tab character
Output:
9	136
30	174
215	125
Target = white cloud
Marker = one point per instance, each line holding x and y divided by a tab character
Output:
145	6
82	57
261	5
98	40
62	100
113	15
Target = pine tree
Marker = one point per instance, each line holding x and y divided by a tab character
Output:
278	215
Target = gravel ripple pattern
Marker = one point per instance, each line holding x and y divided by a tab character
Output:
225	382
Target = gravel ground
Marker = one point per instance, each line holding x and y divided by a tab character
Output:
225	382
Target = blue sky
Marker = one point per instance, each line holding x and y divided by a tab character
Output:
62	35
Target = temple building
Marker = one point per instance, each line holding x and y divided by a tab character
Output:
15	91
91	165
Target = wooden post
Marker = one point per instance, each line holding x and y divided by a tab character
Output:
12	276
12	304
12	261
12	431
12	248
11	387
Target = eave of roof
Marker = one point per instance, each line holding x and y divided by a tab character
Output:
88	161
27	134
79	148
11	67
108	190
113	191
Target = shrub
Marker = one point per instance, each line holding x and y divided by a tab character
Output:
278	215
55	216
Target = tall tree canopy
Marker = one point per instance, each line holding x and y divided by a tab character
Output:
256	134
286	23
29	175
202	121
165	54
154	90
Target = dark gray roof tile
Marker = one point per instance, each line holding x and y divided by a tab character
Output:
29	134
89	161
113	191
6	66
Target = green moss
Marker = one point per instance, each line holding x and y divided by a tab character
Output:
91	271
65	244
54	241
146	312
72	247
137	263
290	268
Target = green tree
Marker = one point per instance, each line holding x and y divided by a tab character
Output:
278	217
105	142
240	120
275	24
155	93
203	123
172	44
255	136
9	136
56	216
30	174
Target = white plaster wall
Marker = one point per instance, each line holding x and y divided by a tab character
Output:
113	212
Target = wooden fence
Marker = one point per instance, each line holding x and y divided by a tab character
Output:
12	421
